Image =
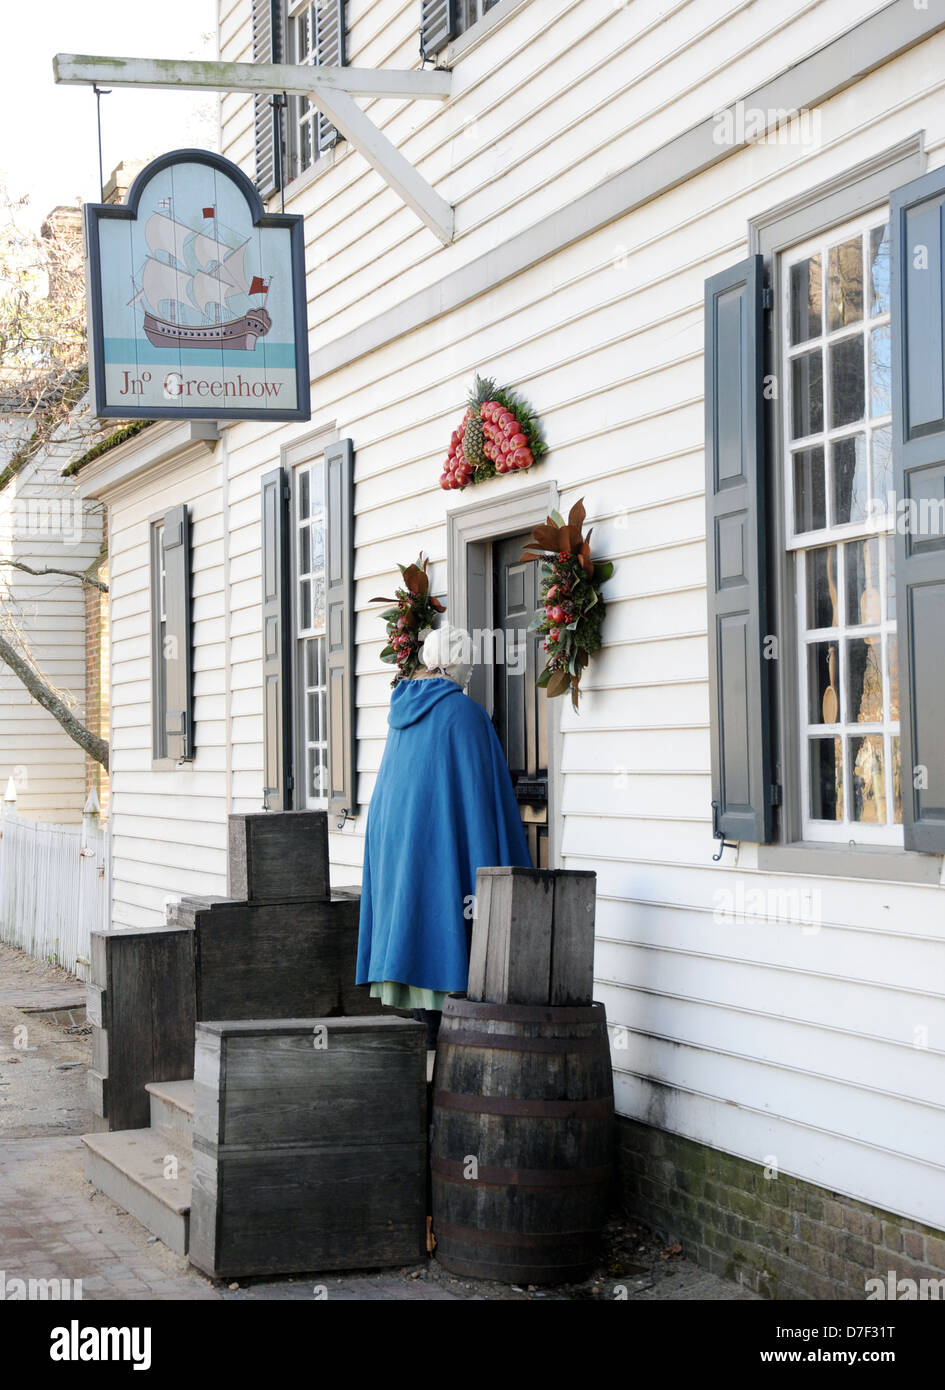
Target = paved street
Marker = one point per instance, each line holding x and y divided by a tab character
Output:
54	1226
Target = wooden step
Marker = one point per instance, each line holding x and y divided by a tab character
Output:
129	1166
172	1110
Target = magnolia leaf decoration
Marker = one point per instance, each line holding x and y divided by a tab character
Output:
573	606
410	619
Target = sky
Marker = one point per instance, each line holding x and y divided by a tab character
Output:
48	141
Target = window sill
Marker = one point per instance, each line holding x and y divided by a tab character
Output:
298	185
881	862
483	29
170	764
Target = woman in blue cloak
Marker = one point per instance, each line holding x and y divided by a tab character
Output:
443	806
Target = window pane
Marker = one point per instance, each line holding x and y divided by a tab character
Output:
868	788
881	469
318	601
822	601
317	773
848	470
880	372
305	602
805	300
864	681
304	494
305	550
311	662
826	779
810	494
845	283
823	688
315	732
879	269
891	577
807	394
892	656
846	381
861	561
897	779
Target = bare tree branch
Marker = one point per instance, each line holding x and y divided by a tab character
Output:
96	747
50	569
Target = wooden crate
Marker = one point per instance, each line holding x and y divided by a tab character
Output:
277	856
533	937
309	1145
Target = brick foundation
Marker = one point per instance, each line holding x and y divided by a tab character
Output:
781	1237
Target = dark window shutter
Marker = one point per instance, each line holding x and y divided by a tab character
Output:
735	529
917	213
178	660
439	22
329	53
267	119
277	721
339	620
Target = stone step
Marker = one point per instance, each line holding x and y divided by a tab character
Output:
129	1166
172	1110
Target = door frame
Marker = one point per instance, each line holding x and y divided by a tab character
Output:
470	531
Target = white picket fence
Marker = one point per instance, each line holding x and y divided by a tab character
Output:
52	885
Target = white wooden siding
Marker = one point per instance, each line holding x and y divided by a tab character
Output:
759	1035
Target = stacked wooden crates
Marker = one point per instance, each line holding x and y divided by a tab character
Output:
523	1103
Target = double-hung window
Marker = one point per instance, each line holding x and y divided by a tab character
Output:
825	519
290	141
308	493
840	513
315	33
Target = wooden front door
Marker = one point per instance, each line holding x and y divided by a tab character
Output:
520	708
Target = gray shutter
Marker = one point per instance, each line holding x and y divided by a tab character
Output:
735	531
267	119
439	22
178	663
277	722
329	51
918	393
339	621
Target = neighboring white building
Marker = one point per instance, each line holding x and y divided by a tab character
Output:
781	1007
44	524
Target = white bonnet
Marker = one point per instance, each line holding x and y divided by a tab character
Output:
449	651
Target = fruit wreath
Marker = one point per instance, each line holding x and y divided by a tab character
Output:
499	433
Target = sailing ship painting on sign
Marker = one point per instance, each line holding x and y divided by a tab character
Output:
197	304
215	284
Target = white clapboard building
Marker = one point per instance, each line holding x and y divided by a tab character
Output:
706	242
49	538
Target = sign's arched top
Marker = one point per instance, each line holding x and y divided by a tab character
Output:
197	304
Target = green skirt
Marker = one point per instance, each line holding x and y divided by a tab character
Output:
398	996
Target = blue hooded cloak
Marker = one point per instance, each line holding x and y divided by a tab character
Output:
443	806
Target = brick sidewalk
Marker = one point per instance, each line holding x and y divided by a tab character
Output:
53	1225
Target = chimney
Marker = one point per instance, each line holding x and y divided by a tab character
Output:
121	178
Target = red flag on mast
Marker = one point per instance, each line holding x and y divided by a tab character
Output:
258	286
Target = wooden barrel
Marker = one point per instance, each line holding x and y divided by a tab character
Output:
523	1140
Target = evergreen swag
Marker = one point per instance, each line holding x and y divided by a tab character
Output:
409	622
573	611
500	433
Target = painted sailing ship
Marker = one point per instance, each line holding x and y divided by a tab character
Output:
201	282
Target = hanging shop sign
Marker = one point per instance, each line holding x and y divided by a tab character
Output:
197	306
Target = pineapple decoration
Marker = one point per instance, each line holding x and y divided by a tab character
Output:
500	433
